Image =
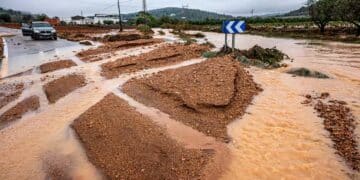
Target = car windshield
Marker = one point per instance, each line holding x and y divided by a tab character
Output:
41	25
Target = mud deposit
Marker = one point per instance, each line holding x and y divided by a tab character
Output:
206	96
1	49
57	65
162	56
92	55
30	104
124	144
9	92
340	123
59	88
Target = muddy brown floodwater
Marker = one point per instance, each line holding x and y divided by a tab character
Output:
277	138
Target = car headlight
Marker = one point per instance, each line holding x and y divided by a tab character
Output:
53	31
36	31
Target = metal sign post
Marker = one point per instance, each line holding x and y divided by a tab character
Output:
233	27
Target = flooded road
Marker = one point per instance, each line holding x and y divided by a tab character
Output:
25	53
278	138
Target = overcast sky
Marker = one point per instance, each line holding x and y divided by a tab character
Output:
67	8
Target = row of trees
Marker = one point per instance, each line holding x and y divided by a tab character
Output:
324	11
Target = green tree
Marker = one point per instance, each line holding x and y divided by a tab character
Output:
5	18
27	18
349	10
41	17
108	22
321	12
146	18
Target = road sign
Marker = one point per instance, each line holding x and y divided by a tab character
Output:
233	27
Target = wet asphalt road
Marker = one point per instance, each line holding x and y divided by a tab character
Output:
25	53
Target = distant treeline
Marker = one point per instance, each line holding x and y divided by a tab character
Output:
9	15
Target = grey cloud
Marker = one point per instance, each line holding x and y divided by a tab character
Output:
66	8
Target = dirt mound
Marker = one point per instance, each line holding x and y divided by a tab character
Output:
30	104
92	55
80	33
206	96
257	56
124	144
59	88
161	56
340	123
1	50
10	92
56	65
125	36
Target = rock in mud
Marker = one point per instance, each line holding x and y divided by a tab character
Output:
29	104
162	56
10	92
59	88
206	96
304	72
124	144
86	43
57	65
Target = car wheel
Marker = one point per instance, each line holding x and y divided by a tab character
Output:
55	38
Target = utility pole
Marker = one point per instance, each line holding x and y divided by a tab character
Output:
120	21
252	12
144	6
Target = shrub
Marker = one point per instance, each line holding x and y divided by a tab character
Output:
145	29
210	54
108	22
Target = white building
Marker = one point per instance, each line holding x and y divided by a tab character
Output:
97	19
100	18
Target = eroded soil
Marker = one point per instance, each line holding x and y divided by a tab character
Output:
92	55
125	144
340	123
57	65
29	104
59	88
161	56
206	96
9	92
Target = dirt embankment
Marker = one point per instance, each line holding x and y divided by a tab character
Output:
125	144
1	50
59	88
79	33
165	55
29	104
10	92
57	65
340	123
92	55
206	96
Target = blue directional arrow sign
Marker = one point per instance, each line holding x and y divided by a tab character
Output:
233	27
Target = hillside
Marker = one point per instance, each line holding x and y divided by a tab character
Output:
303	11
178	13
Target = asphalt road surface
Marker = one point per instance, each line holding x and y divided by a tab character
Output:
25	53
